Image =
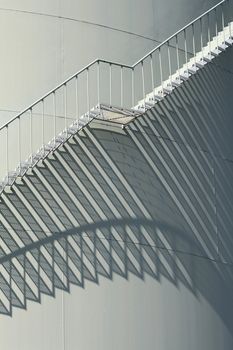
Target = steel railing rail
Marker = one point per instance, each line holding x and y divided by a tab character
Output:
178	32
79	97
113	63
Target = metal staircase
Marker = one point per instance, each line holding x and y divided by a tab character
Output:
108	91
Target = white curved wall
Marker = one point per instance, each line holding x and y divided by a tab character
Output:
188	301
119	314
42	43
135	313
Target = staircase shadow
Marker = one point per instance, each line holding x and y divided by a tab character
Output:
141	201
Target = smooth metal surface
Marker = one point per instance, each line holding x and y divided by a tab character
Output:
86	96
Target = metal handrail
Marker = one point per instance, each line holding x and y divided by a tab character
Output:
148	82
178	32
111	63
48	93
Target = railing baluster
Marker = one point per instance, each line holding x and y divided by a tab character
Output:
19	142
121	87
216	25
185	49
161	69
152	74
208	30
31	144
42	131
169	62
98	83
110	84
54	116
76	99
143	82
88	95
194	44
7	152
201	29
65	107
177	56
229	12
223	22
133	89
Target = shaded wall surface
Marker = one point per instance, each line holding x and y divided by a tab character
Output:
122	239
42	43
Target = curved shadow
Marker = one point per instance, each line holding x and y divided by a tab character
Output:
155	199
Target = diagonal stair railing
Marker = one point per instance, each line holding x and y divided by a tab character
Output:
109	91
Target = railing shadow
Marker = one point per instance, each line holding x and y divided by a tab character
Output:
153	199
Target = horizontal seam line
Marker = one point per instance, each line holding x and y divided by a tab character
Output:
80	21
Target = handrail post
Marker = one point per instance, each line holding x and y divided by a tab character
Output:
223	22
177	56
201	29
43	141
161	70
76	100
98	83
110	84
88	95
169	62
65	108
229	11
133	89
122	87
7	152
208	31
216	25
19	142
152	74
143	82
31	142
194	44
54	116
185	49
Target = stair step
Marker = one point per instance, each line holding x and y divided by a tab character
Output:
60	139
150	103
82	123
201	63
22	168
49	147
158	97
222	47
142	109
10	178
72	130
184	76
176	82
208	58
193	69
94	112
229	41
215	52
12	174
24	165
168	89
37	156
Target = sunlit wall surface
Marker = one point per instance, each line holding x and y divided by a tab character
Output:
44	42
145	213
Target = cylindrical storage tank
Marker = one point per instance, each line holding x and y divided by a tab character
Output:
127	230
44	43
